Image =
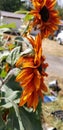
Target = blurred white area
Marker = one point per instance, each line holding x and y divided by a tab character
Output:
60	3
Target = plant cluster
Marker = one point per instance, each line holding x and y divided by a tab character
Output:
22	71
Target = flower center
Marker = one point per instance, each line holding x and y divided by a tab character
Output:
40	69
44	12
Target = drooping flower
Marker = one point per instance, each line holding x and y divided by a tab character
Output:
31	77
45	16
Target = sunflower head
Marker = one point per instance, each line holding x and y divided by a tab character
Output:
44	13
46	18
31	77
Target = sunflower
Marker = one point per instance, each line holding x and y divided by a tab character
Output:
31	77
45	16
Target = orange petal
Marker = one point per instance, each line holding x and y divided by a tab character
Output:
28	89
44	87
41	94
35	100
26	94
19	62
27	80
28	64
24	73
23	100
37	80
31	40
50	3
30	101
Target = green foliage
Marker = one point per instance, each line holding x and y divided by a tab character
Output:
60	12
18	117
13	56
13	117
3	73
22	11
28	17
10	5
11	25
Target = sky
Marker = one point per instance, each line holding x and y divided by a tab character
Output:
60	3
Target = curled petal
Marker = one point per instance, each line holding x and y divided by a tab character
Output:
44	87
23	74
35	101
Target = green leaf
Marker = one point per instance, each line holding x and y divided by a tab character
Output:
1	48
2	124
12	121
13	85
8	95
30	120
3	73
26	52
19	118
9	103
11	25
18	115
3	55
11	91
28	17
27	42
20	38
13	56
21	12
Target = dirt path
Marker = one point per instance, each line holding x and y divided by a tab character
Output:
55	65
52	48
54	57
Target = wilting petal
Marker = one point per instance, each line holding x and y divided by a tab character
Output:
37	80
19	62
28	90
31	77
30	100
23	99
31	40
26	94
27	80
44	87
23	74
7	67
28	64
35	100
41	94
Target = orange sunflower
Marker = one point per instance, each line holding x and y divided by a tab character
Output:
45	16
31	77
